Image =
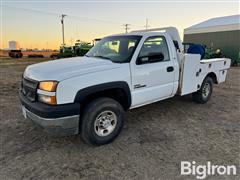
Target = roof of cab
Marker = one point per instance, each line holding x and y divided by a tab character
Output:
139	33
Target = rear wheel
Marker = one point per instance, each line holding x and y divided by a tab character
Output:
102	121
204	93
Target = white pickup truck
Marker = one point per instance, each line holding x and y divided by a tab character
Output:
89	94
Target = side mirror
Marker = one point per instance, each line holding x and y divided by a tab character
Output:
151	58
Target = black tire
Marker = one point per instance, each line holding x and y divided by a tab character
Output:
91	116
201	96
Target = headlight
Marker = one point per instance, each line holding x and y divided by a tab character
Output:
47	99
50	86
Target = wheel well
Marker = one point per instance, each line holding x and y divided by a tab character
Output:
118	91
117	94
213	76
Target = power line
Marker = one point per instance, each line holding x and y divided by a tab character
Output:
63	16
84	18
32	10
81	18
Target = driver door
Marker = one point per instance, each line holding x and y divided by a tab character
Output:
152	80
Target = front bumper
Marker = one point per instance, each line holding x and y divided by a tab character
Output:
59	120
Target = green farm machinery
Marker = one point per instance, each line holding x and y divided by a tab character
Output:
209	53
80	48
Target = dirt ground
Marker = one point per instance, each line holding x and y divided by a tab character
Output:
154	141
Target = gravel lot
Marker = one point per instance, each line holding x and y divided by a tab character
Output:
154	140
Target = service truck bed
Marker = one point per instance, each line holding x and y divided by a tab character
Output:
193	71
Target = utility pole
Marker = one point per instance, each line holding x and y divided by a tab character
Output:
126	27
146	26
62	21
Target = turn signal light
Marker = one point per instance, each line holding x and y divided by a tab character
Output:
50	86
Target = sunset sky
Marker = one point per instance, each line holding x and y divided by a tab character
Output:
87	20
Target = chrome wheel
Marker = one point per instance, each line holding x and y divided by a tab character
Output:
105	123
206	90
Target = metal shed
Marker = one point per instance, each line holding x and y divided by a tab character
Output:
218	33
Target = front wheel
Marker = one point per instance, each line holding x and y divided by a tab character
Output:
102	121
204	93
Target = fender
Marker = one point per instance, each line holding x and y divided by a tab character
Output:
85	92
213	76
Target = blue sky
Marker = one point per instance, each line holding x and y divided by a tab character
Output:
33	29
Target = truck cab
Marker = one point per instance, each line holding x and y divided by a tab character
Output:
90	94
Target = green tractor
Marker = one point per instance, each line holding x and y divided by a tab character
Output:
210	53
79	49
65	51
236	62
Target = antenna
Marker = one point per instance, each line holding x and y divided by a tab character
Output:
126	27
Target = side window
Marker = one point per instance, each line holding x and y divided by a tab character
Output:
154	49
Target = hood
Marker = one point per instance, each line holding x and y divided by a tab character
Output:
61	69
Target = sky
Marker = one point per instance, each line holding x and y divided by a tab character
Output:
36	24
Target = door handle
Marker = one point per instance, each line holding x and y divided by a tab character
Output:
170	69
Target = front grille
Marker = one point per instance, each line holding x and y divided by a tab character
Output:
29	88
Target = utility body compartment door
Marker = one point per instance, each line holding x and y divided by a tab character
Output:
153	81
190	72
194	71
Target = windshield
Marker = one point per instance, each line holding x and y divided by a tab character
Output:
118	49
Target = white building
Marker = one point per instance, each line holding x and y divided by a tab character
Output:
13	45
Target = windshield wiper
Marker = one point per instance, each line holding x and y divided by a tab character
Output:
103	57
